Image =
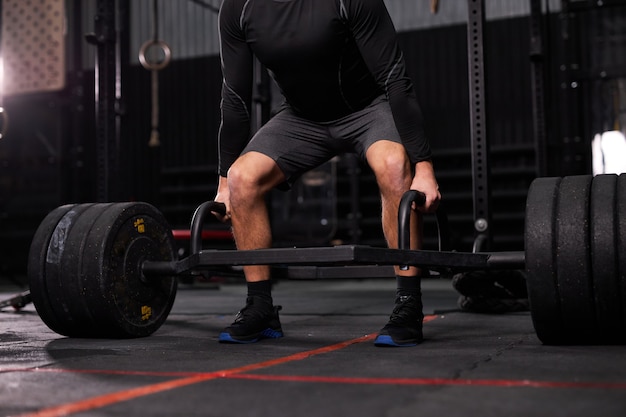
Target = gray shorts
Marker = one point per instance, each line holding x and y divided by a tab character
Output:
299	145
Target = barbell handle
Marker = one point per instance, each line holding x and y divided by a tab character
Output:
404	222
197	222
404	216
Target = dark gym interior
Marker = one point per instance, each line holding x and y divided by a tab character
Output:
511	91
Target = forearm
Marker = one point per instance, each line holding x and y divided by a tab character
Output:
409	121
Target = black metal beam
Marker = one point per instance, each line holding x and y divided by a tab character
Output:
538	58
338	255
478	124
573	150
107	126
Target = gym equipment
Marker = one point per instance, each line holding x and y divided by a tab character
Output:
162	50
109	269
18	301
84	270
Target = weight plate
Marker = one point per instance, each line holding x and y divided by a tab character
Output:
604	232
46	276
36	267
573	261
540	254
74	295
122	302
621	245
61	276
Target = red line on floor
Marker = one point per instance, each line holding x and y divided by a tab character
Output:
191	378
183	374
503	383
117	397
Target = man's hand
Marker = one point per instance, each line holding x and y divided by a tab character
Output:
425	181
223	196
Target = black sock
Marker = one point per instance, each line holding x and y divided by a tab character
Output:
262	289
408	286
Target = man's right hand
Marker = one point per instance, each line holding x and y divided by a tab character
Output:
223	196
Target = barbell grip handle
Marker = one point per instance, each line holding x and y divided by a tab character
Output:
404	218
198	219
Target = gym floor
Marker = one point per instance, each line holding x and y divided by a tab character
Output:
326	365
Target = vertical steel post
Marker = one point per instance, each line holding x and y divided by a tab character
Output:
538	80
478	125
574	149
106	84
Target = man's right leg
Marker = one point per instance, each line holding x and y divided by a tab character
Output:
393	173
250	178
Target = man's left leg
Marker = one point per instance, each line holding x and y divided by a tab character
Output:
285	147
250	178
393	174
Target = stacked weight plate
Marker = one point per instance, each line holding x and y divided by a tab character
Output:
85	270
576	258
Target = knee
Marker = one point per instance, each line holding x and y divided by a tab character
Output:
251	177
393	172
243	182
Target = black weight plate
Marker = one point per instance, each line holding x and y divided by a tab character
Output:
621	245
74	296
48	229
60	280
122	302
52	299
573	261
540	259
604	243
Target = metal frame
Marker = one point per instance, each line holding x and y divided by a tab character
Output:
478	125
538	59
572	147
338	255
108	81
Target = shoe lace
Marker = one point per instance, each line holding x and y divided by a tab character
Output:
405	311
251	312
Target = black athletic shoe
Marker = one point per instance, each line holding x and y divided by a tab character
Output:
487	305
404	327
257	320
492	292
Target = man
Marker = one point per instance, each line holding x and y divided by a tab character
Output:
341	71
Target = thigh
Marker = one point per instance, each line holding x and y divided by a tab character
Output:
294	143
254	170
366	127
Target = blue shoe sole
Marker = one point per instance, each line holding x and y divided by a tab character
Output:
386	341
225	337
271	334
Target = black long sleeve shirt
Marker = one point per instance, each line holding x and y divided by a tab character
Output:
328	57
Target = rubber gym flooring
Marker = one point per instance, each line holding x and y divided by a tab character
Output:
326	365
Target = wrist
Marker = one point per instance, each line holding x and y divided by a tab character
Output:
424	166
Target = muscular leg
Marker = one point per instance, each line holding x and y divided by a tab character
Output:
250	178
393	174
